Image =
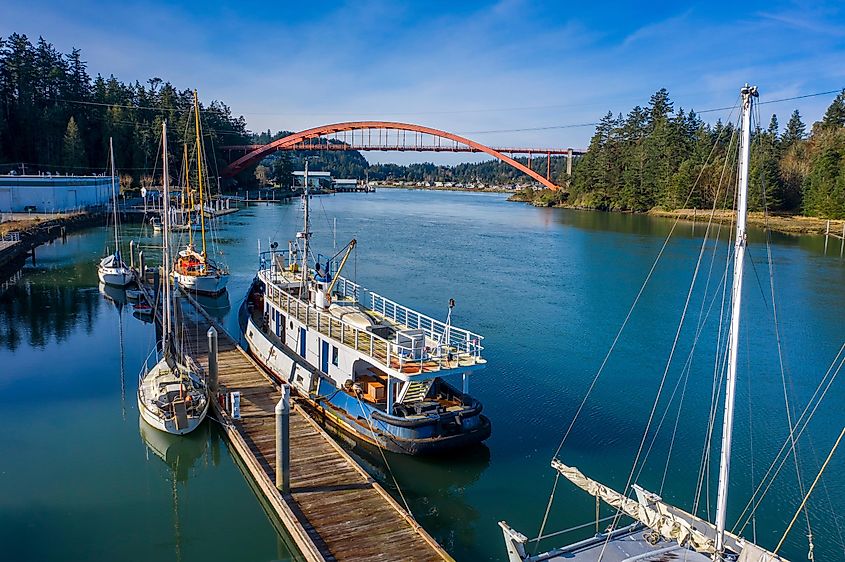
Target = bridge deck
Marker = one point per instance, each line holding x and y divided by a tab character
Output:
335	510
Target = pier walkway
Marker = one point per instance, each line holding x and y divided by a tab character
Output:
335	510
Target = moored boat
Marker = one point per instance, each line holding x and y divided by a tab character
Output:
111	270
193	269
172	397
659	530
374	372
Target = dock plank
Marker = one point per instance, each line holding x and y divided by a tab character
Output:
335	510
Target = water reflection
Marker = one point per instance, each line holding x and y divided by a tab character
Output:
39	308
116	295
440	496
180	453
216	306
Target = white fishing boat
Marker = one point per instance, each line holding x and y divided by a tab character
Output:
655	529
111	270
193	269
172	397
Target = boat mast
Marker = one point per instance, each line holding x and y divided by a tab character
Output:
190	195
305	236
199	174
166	242
748	93
114	203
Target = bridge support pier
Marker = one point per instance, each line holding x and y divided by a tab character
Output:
569	163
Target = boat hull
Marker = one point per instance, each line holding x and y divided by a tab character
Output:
341	413
168	426
204	285
116	277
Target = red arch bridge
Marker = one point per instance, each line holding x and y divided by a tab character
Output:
393	136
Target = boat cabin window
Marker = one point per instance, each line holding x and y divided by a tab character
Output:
335	360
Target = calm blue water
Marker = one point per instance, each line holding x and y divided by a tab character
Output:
548	288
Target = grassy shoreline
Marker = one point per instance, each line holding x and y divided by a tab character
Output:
783	223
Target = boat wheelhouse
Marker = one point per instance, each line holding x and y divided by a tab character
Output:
376	369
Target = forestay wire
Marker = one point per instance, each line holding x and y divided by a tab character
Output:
622	328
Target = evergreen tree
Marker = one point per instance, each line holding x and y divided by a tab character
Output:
795	130
73	151
835	114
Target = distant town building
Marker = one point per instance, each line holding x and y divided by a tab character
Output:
344	185
316	180
52	194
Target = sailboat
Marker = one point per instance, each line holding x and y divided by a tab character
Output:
193	269
171	396
661	531
111	270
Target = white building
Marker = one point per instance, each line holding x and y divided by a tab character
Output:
315	179
53	194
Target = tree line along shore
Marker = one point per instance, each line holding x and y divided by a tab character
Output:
668	162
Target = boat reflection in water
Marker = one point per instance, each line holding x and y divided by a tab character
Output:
117	295
217	306
180	453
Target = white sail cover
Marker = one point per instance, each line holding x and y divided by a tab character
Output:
112	261
671	523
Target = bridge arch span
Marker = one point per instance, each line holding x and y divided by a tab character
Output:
291	140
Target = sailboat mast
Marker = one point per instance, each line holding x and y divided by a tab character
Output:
190	195
114	202
166	240
305	236
748	93
199	173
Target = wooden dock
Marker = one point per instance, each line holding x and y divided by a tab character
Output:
335	510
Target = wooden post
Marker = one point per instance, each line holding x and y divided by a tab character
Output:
141	271
212	361
283	441
842	243
131	254
826	236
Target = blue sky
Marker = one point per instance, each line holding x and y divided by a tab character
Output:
467	67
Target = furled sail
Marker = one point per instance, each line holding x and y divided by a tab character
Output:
670	522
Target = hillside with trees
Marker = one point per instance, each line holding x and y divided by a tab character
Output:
657	157
56	118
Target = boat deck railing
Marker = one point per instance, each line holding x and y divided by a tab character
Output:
390	354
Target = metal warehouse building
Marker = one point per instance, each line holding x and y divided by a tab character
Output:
52	194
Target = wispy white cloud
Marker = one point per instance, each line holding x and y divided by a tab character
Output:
514	64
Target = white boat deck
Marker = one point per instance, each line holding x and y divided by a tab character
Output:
626	544
418	346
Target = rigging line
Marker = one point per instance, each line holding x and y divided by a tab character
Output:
750	428
810	491
778	340
715	391
576	528
671	354
383	456
671	357
625	322
834	515
832	373
684	378
688	362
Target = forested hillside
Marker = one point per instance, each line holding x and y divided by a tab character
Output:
54	117
653	157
